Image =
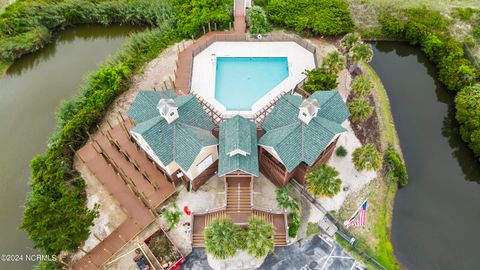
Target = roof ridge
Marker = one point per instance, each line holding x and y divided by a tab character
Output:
303	142
284	138
174	148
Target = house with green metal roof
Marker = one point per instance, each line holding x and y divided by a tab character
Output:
176	133
238	147
300	133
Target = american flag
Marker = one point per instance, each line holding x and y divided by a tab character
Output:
359	217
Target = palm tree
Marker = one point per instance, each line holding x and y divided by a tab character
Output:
334	62
286	201
367	157
348	41
360	109
361	52
323	181
222	238
259	237
172	216
362	85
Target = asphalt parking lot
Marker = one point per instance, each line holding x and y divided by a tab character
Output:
312	254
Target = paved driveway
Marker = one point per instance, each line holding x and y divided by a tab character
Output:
312	254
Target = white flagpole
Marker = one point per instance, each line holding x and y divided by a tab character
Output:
346	223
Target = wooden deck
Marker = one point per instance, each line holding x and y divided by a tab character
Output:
129	177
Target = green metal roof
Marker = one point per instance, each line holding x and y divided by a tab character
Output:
180	141
295	141
238	133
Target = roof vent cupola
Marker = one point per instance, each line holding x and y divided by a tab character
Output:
308	110
168	109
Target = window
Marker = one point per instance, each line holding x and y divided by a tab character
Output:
304	114
204	164
172	113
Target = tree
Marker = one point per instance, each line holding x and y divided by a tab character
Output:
259	238
362	85
222	238
172	216
395	169
341	151
349	40
360	52
367	157
360	109
467	104
320	79
333	62
457	73
323	181
286	201
257	21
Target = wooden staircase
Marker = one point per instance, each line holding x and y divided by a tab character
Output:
238	198
279	236
197	239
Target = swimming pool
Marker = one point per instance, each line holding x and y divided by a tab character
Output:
241	81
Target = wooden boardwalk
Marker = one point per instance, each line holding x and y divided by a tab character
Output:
133	180
185	58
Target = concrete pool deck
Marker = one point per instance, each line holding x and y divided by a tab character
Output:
204	69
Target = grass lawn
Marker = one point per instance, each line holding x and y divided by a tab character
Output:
374	237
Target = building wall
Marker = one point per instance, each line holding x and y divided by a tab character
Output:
206	151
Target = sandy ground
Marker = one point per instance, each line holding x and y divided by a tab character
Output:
241	261
110	213
264	194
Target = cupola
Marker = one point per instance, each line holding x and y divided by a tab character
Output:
168	109
308	110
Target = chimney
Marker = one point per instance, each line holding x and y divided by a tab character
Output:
168	109
308	110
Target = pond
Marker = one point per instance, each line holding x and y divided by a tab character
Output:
30	93
436	217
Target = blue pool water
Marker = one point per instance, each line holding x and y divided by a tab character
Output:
241	81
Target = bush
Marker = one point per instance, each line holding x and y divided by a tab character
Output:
286	201
259	238
323	181
172	216
467	104
293	224
349	41
362	85
222	238
395	169
320	79
360	109
323	17
333	62
393	27
257	21
367	157
341	151
26	26
56	217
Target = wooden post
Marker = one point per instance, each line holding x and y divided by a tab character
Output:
209	27
83	250
96	236
215	26
165	84
230	26
99	129
203	30
110	125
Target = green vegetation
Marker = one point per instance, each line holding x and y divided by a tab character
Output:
293	224
193	15
322	17
257	21
223	238
56	217
341	151
367	157
259	238
320	79
333	62
362	85
286	201
467	103
172	216
348	41
312	229
360	109
323	181
394	167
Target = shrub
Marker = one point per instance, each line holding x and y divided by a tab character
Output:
360	109
312	229
367	157
362	85
222	238
349	40
323	17
341	151
293	224
393	27
172	216
395	169
194	14
320	79
415	32
257	21
457	73
467	104
259	238
323	181
286	201
333	62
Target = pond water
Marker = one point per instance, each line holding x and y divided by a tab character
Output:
436	216
30	93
